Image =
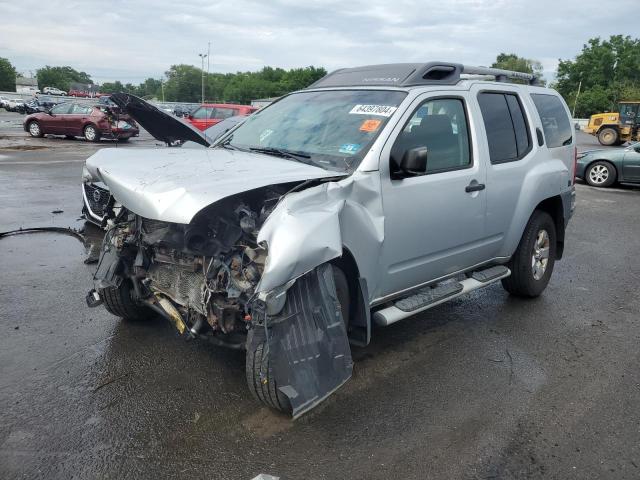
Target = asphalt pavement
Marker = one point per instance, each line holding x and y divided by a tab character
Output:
485	387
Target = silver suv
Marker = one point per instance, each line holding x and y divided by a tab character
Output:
371	196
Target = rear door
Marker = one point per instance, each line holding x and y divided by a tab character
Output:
434	222
77	118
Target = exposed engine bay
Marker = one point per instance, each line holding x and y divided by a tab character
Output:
202	275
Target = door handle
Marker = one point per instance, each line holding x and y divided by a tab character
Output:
474	187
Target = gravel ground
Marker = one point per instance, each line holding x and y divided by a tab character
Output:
487	386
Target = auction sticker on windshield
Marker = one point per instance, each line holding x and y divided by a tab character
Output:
370	125
382	110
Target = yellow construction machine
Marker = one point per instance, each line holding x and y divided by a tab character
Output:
616	128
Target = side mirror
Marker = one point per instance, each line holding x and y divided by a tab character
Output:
414	161
636	147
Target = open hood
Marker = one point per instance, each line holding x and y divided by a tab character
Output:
159	124
173	185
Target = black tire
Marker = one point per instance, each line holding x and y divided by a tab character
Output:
608	136
522	281
118	302
261	382
342	291
600	174
35	130
91	133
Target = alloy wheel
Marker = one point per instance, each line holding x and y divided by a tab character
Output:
540	254
34	129
598	174
90	133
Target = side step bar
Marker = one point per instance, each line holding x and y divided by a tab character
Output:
428	297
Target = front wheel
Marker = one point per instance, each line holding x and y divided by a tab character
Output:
118	302
91	133
600	174
532	263
259	370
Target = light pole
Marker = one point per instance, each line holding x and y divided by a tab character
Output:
202	57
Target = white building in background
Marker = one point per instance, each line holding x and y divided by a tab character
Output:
27	85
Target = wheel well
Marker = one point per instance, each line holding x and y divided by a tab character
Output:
359	315
613	126
554	207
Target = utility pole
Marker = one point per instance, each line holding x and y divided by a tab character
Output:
575	102
202	57
162	88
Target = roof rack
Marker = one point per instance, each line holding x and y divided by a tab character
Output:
413	74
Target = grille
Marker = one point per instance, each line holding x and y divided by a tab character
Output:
97	198
183	286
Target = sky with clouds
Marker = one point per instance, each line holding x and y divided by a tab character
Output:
132	40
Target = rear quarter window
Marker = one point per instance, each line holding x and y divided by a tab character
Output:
506	126
555	122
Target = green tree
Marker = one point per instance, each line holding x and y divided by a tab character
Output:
112	87
7	76
511	61
61	77
183	84
609	71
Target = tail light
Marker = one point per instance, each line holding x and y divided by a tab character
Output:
575	164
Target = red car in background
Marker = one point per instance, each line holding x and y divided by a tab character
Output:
78	93
76	120
209	114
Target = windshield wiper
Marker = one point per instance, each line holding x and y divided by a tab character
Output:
280	152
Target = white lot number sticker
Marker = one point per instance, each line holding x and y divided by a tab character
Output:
382	110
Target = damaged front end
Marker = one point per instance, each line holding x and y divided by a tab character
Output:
202	274
204	277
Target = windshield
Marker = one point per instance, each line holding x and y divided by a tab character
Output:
332	129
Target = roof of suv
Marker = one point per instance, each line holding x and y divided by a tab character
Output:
414	74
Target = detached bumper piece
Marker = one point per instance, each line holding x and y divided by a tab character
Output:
308	346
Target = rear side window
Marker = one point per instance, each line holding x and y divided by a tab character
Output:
555	122
202	113
222	113
506	125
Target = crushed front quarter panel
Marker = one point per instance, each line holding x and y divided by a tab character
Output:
313	226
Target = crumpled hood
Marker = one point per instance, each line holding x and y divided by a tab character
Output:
172	185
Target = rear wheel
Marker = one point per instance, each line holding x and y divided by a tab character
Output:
532	263
91	133
118	302
608	136
35	130
600	174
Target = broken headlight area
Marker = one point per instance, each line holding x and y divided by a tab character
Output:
207	270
